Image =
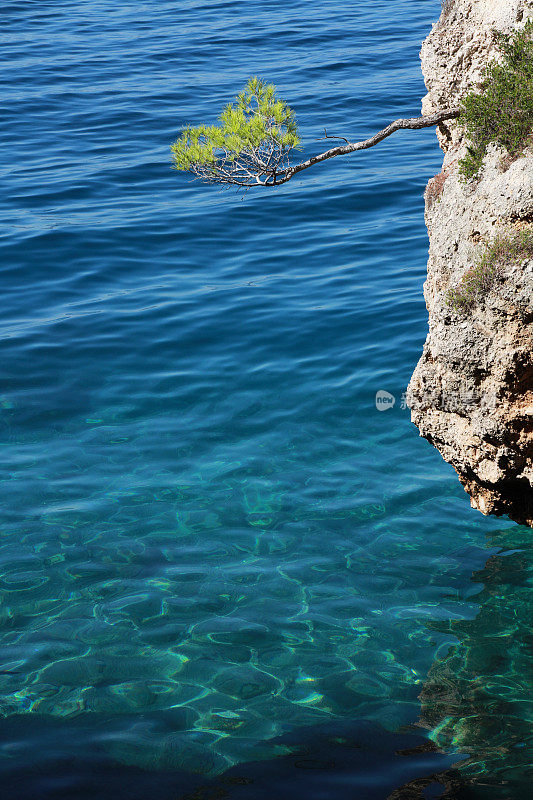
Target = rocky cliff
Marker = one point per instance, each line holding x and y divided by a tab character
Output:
471	394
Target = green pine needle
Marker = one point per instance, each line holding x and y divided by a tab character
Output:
256	121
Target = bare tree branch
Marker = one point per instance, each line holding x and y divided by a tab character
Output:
327	136
414	123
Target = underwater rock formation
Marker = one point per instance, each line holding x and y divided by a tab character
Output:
471	394
476	699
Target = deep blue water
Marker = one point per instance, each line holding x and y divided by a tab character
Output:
215	553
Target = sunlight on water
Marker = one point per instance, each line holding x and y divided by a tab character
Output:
215	552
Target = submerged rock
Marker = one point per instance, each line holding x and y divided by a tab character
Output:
476	698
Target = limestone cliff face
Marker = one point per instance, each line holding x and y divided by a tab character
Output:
471	394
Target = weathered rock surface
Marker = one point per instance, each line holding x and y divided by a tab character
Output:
471	394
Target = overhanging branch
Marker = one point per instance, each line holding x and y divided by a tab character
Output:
256	135
414	123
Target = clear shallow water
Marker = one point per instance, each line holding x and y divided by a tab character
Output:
214	549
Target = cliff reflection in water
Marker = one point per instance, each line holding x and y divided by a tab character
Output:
478	699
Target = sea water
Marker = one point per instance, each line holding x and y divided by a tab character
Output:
223	567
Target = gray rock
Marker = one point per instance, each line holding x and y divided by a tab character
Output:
471	394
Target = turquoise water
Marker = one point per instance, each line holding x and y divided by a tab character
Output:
221	567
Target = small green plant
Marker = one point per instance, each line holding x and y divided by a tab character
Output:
255	135
503	251
502	112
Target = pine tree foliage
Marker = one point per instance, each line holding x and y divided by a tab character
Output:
250	145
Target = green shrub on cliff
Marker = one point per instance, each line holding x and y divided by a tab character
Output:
502	112
502	252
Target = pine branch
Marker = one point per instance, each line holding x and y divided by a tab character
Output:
256	135
414	123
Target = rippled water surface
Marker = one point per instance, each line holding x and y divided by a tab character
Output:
222	570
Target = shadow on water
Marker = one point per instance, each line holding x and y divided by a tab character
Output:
335	761
478	699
